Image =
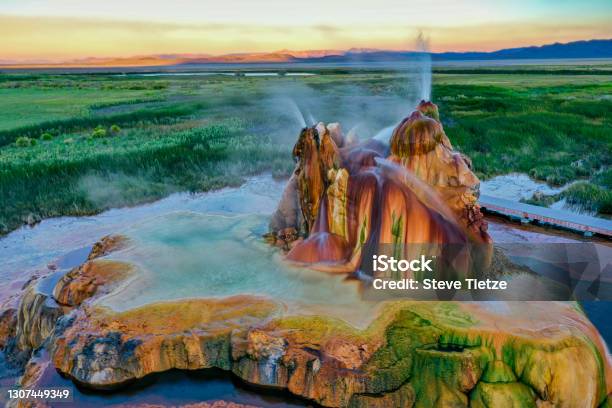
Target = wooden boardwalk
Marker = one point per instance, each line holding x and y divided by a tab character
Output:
584	224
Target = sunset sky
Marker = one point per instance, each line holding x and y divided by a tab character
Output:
56	30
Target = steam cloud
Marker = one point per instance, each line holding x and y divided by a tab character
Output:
365	107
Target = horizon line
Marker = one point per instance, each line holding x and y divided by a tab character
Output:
169	59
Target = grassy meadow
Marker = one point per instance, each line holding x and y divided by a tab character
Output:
76	144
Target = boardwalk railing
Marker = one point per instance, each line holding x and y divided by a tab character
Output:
528	213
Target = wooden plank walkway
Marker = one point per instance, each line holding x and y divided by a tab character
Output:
584	224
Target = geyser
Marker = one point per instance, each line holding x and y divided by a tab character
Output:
346	197
423	65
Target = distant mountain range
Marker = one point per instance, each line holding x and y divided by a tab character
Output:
576	49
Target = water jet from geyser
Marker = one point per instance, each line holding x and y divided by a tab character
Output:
296	112
346	198
423	65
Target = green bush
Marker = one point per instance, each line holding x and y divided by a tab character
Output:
590	197
540	199
115	129
604	178
553	175
24	141
46	136
98	133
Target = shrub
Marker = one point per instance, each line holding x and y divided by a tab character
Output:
99	132
46	136
115	129
554	175
589	197
541	200
604	178
24	141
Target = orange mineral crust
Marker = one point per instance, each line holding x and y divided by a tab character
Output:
417	190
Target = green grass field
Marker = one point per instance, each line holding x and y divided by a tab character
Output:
76	144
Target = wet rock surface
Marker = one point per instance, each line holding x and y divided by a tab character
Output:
104	350
106	245
37	313
93	277
423	352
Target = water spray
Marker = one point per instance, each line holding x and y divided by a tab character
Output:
296	112
423	67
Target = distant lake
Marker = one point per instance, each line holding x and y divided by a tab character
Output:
392	65
209	73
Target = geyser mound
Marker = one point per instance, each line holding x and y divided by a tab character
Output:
346	198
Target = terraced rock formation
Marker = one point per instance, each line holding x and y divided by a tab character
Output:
341	198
